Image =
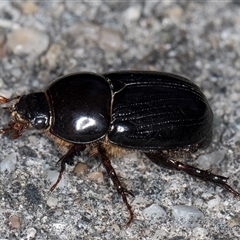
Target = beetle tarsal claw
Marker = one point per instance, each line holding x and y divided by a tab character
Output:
205	175
57	182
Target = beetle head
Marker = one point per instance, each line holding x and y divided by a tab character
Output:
30	110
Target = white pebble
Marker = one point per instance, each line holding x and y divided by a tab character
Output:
212	159
33	139
153	213
115	228
199	233
8	163
31	233
52	202
214	202
133	13
187	215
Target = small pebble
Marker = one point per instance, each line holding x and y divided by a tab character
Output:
33	140
31	233
52	202
14	222
154	213
214	202
174	12
133	13
212	159
96	176
28	7
199	233
80	169
27	41
115	228
9	163
110	40
44	219
187	215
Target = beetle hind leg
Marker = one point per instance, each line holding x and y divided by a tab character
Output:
67	159
206	175
112	174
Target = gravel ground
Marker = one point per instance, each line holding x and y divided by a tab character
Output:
41	41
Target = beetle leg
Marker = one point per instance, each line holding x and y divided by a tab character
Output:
67	158
206	175
112	174
6	100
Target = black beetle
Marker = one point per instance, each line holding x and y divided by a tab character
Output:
161	114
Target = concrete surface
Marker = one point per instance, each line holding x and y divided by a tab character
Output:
40	41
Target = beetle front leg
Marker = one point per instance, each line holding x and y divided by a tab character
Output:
67	159
112	174
206	175
4	100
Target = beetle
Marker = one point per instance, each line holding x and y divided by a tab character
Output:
160	114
